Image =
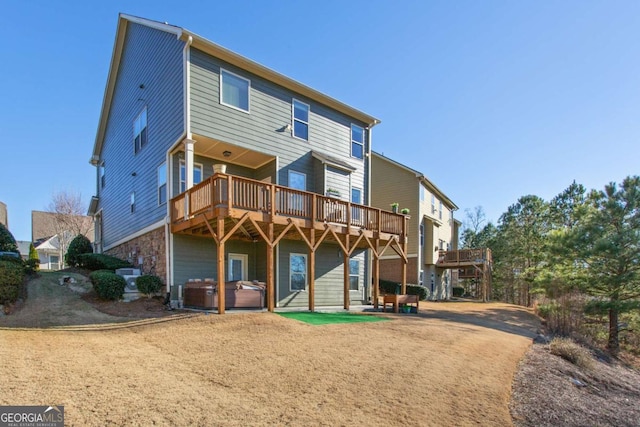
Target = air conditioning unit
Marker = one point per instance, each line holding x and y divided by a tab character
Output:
130	275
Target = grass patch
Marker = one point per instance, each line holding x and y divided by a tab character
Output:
328	318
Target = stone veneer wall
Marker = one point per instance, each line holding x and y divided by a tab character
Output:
391	269
151	247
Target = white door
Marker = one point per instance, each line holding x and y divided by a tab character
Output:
237	267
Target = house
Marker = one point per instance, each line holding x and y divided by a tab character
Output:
4	219
52	232
210	165
23	248
431	227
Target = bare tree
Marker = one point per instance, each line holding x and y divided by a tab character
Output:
68	218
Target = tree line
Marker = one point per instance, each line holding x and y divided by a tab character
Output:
581	242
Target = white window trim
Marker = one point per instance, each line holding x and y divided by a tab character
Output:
248	110
163	165
354	275
361	193
440	209
306	273
132	202
360	143
146	125
180	181
293	119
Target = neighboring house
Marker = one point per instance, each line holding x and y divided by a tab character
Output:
50	253
51	234
431	227
23	248
4	218
176	106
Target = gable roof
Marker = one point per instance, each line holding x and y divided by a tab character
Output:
422	178
217	51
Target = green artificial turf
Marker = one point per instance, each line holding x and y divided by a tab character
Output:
328	318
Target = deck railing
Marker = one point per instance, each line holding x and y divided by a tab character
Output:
248	194
464	256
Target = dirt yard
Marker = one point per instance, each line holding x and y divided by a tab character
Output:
451	365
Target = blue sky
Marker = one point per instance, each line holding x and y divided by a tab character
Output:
492	100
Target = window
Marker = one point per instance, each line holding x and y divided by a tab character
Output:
238	267
297	272
433	204
440	211
162	184
297	181
300	120
197	175
356	197
140	131
354	274
422	193
133	202
441	244
234	90
422	235
101	172
357	141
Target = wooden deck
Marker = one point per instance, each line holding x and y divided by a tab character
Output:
471	264
227	207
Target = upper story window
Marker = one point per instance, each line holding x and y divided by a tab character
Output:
197	175
140	131
162	184
356	196
300	120
422	193
421	235
234	90
101	172
132	204
297	180
440	210
433	204
357	141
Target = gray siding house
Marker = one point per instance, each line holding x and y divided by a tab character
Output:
210	165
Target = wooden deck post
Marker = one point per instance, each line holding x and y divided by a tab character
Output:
270	273
345	257
312	270
221	275
376	274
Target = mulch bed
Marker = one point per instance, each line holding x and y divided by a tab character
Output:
550	391
142	308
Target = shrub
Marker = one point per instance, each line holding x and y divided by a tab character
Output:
101	262
458	291
78	246
149	284
572	352
108	285
563	316
11	280
389	287
31	266
7	241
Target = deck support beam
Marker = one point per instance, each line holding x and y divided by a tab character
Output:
270	272
376	274
346	258
220	263
312	271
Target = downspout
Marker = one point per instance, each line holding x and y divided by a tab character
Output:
186	72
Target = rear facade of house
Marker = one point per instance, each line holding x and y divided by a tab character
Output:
175	105
431	226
